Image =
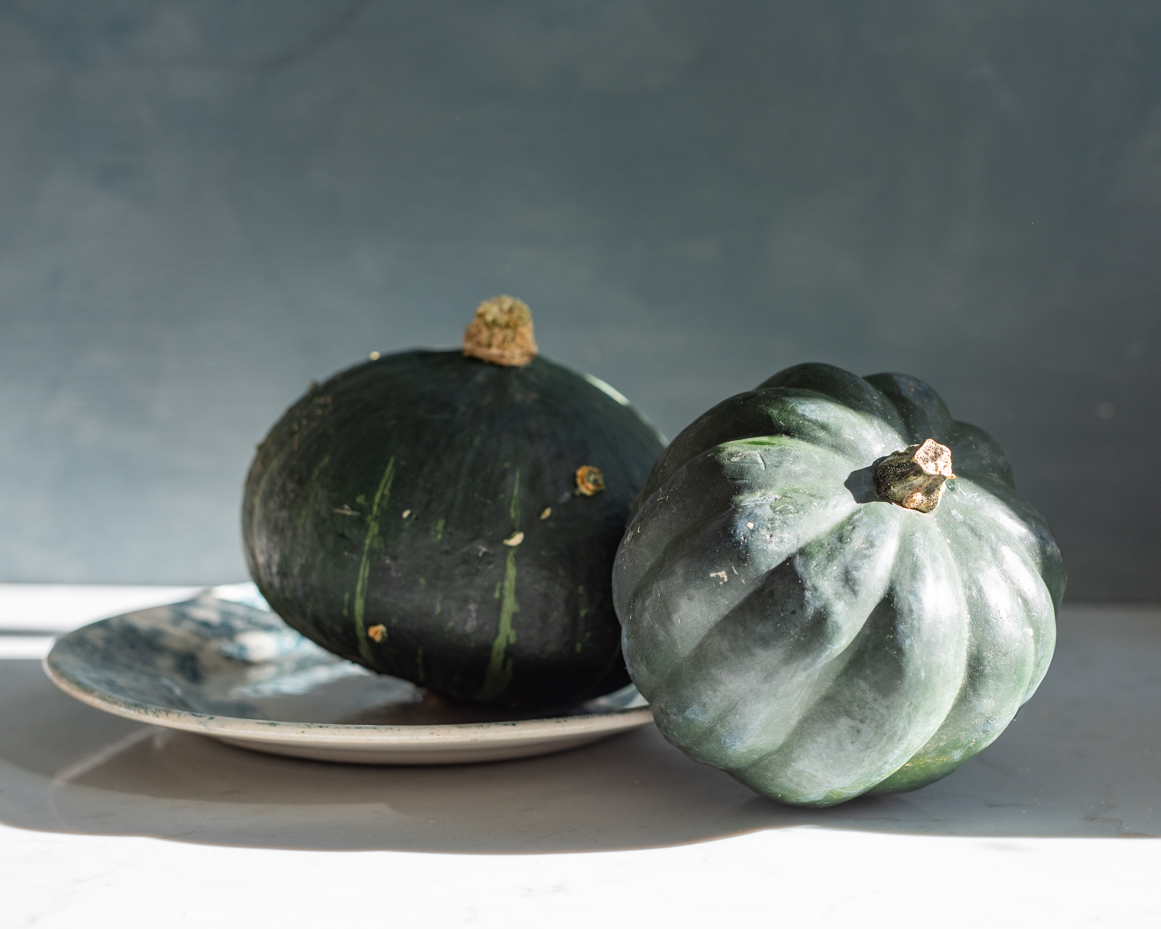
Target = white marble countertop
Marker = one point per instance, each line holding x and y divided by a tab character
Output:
104	822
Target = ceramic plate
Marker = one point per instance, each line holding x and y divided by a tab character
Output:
223	665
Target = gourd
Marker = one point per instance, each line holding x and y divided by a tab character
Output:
451	517
830	586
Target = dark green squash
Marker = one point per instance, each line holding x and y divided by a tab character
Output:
452	520
793	626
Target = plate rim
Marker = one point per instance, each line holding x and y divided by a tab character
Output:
414	735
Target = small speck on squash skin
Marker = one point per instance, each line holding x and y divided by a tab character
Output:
589	480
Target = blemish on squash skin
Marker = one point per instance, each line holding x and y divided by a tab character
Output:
382	495
720	575
377	633
589	480
514	507
499	673
326	460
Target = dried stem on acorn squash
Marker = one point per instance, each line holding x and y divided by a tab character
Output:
501	333
914	477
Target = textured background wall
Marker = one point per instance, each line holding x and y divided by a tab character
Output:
205	204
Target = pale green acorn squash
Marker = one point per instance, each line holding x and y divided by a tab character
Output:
820	616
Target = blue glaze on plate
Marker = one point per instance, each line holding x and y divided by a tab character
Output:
223	664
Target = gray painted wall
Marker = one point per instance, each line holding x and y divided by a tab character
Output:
205	204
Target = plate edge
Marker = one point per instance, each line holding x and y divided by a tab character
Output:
339	733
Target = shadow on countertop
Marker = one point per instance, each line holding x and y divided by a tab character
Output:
1083	758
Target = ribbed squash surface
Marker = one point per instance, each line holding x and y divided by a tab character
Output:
813	640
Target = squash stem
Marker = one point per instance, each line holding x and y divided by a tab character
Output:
501	333
914	477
